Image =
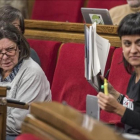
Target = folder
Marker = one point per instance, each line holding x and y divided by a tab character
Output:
96	53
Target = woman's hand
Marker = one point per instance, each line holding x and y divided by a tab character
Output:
111	89
110	104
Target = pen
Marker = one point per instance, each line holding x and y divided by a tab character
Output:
105	86
106	75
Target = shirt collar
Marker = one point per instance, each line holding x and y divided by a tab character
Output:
13	74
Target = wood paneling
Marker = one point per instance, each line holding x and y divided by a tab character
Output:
67	32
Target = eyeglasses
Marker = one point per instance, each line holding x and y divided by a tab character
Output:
9	52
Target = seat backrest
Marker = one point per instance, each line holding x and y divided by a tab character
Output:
69	83
27	136
58	10
107	4
109	59
119	79
47	52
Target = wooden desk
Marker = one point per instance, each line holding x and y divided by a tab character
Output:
3	111
67	32
55	121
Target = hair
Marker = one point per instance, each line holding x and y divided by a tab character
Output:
10	14
10	32
130	25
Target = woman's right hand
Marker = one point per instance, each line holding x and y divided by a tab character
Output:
110	104
111	90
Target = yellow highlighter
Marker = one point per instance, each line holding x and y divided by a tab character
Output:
105	86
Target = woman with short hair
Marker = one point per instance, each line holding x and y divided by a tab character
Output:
24	76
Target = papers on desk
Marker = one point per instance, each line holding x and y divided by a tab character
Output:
96	53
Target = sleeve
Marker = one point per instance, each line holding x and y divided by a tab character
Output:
31	88
131	118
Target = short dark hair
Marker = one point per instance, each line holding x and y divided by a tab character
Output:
130	25
9	14
10	32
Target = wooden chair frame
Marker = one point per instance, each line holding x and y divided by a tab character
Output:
3	111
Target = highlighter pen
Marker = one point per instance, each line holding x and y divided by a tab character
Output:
105	86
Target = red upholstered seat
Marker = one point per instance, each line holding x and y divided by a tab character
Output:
107	4
47	52
58	10
119	78
69	83
27	137
109	59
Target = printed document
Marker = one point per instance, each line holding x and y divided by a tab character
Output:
96	53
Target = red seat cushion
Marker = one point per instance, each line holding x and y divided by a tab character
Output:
47	52
58	10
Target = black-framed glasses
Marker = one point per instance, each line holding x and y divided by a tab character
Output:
9	52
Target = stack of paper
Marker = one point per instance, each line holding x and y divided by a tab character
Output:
96	53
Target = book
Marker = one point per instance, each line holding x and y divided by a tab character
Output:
96	53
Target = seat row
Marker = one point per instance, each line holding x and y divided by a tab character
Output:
68	10
63	64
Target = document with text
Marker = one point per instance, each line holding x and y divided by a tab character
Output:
96	54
